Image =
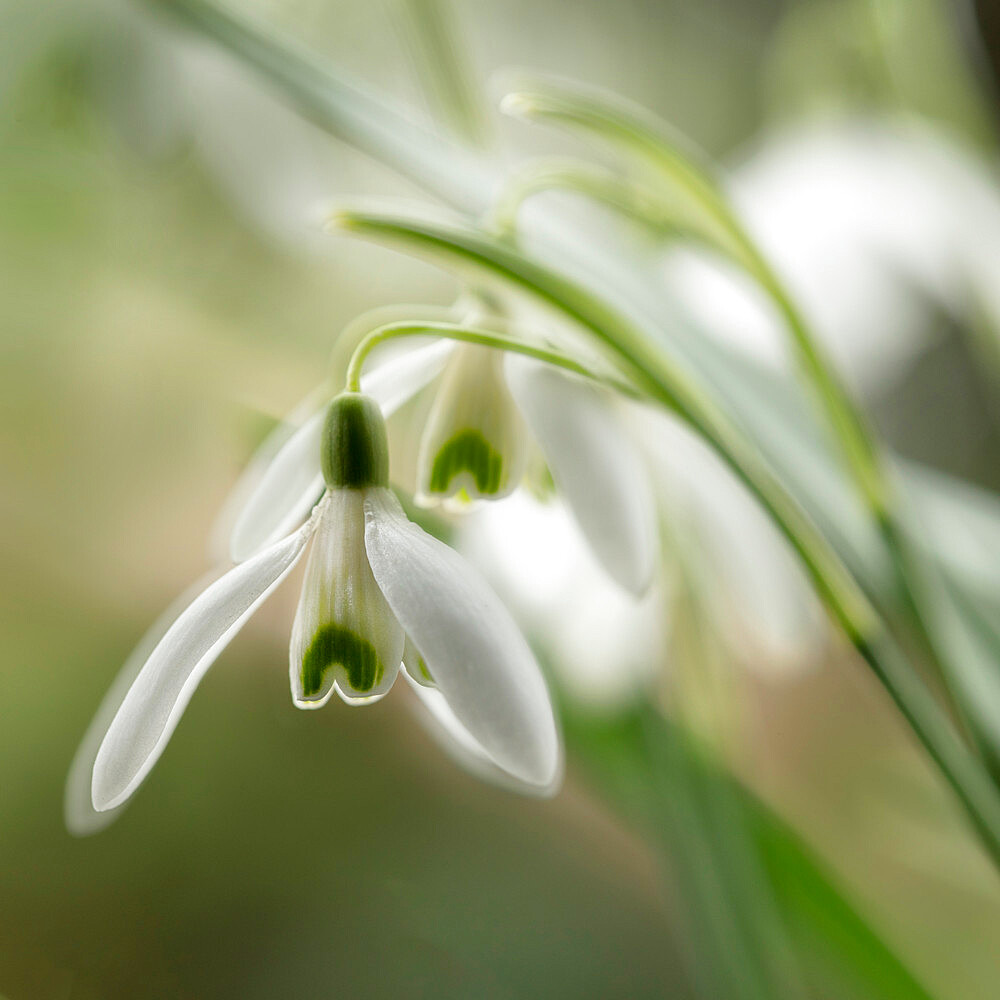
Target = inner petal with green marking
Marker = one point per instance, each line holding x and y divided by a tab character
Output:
467	452
416	665
475	441
332	646
345	637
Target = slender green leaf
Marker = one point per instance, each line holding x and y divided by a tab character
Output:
677	796
344	107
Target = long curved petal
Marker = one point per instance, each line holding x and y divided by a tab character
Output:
285	494
81	818
154	704
595	465
289	486
221	541
471	645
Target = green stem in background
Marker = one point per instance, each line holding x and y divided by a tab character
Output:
639	205
695	813
450	86
656	376
689	174
354	334
660	379
468	335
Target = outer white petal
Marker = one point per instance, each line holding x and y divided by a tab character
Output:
443	725
343	627
473	649
154	704
286	493
223	541
292	482
399	378
82	819
595	465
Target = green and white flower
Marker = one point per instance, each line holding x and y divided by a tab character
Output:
476	444
376	585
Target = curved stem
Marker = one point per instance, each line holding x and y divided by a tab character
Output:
469	335
684	170
637	204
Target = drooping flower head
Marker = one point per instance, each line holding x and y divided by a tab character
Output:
379	594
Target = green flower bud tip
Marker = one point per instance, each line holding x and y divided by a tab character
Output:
355	450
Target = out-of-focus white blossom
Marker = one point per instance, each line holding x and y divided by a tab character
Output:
872	224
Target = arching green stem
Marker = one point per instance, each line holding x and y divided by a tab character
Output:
471	335
637	204
682	168
685	172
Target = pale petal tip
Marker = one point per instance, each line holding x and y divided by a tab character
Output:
108	790
311	704
518	105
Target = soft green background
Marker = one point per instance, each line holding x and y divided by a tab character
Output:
148	336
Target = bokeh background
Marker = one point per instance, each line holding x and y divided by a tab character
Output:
162	303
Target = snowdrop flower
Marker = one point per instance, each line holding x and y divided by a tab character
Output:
378	592
606	647
476	443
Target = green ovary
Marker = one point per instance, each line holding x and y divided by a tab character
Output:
468	451
334	644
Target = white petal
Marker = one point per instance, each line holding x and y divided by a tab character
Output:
221	544
473	649
82	819
475	439
345	636
292	482
154	704
286	493
415	666
399	378
443	725
595	465
762	599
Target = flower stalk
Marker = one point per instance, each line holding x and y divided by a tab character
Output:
469	335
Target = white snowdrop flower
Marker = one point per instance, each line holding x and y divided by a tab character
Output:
476	443
377	589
